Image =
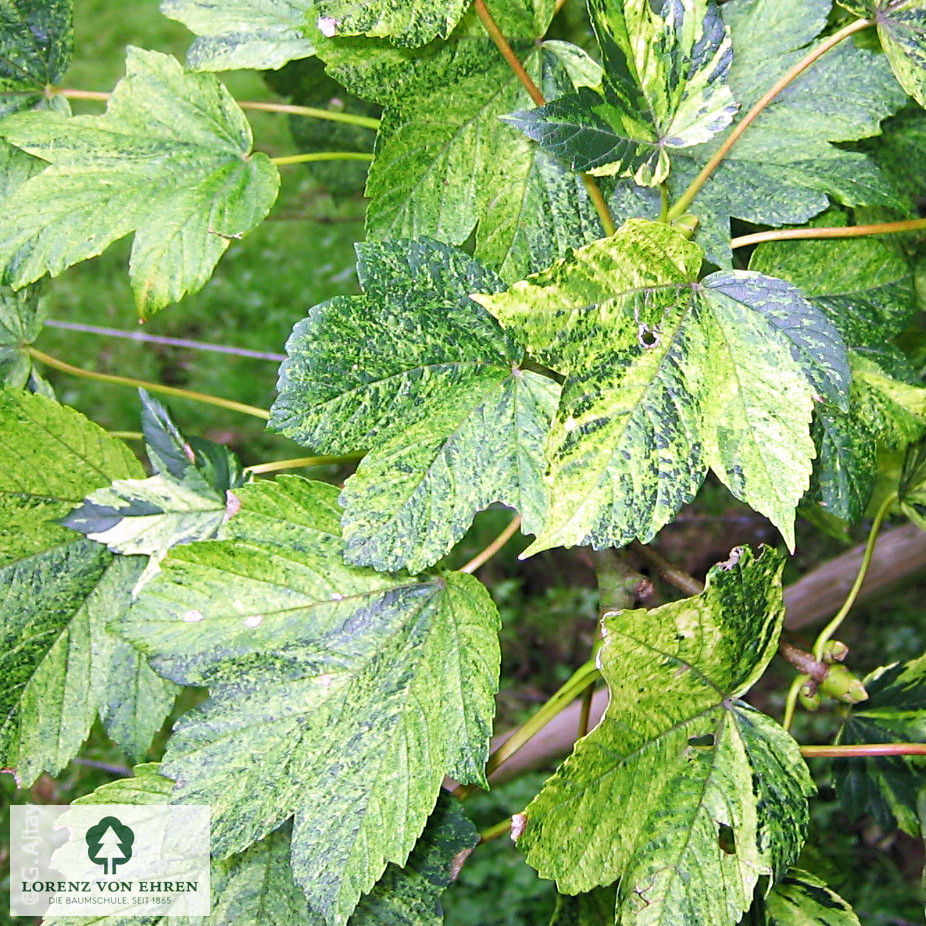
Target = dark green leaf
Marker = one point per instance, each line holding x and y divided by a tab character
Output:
596	908
187	499
410	896
22	316
681	785
885	413
902	30
902	143
865	286
36	41
665	68
886	787
60	666
170	160
786	168
234	34
305	83
338	694
426	378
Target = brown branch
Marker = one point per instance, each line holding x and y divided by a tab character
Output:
899	554
672	574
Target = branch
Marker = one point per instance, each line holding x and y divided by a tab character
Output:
310	111
231	405
480	559
839	231
672	574
863	751
501	43
681	207
898	554
313	156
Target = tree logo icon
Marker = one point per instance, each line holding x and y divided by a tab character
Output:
109	844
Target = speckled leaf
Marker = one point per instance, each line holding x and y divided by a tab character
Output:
677	763
885	413
886	787
410	896
802	899
338	694
901	143
864	285
36	42
426	378
902	30
257	887
665	68
447	165
60	665
170	160
414	496
233	34
22	316
186	500
405	22
786	168
147	516
666	377
816	345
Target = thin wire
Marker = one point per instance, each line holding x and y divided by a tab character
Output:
163	339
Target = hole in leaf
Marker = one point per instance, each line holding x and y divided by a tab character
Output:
648	337
706	740
726	840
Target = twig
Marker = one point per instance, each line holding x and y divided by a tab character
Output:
840	616
482	558
276	466
843	231
672	574
493	832
312	112
313	156
229	404
147	338
864	750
